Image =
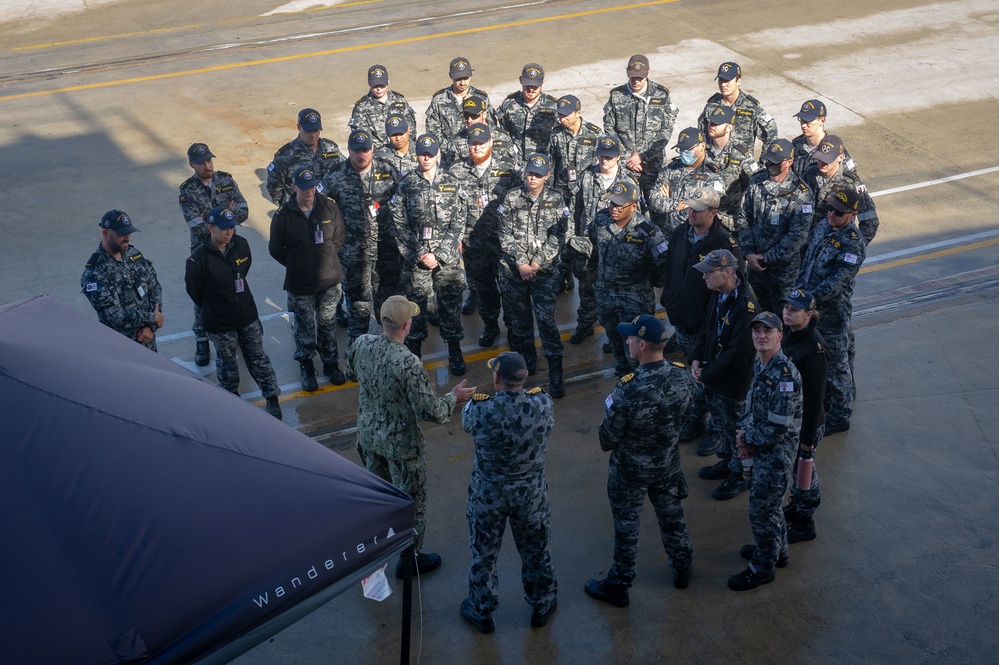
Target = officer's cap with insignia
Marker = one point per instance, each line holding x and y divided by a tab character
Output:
717	258
721	115
460	69
811	110
644	326
428	144
199	153
703	198
359	140
396	310
478	133
396	124
533	74
638	66
768	319
568	104
509	366
310	120
844	200
607	146
728	71
377	75
829	149
221	217
801	299
473	106
537	164
623	192
688	138
117	221
778	151
304	178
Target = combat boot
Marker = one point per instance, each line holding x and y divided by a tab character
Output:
456	361
730	488
416	346
581	333
692	428
309	383
334	373
749	551
801	529
273	407
751	578
615	594
489	333
471	303
425	563
681	573
708	445
555	385
715	471
531	359
201	352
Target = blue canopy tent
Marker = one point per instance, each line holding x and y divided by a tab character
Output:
149	516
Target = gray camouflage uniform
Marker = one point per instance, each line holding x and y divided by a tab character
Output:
803	157
821	187
736	165
294	155
666	211
444	115
571	154
402	163
530	126
510	431
124	292
751	123
455	149
643	124
370	115
641	428
394	395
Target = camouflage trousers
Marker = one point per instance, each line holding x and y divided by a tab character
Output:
584	268
410	476
447	284
725	413
198	235
249	340
482	271
357	276
773	284
627	486
840	387
771	472
525	505
523	301
314	324
698	411
617	305
806	501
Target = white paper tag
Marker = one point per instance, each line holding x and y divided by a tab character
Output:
376	586
609	400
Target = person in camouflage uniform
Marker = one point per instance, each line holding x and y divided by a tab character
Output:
486	179
773	222
474	111
730	159
767	438
688	171
362	187
394	395
510	430
812	117
641	427
579	257
826	174
529	116
571	147
121	283
215	278
204	190
836	250
429	211
533	221
307	150
399	151
752	123
372	111
444	114
641	114
631	253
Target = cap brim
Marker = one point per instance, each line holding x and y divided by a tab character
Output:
806	117
626	328
703	267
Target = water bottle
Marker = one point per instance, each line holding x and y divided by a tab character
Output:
803	479
747	469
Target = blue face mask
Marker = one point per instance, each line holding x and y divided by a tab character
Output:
687	157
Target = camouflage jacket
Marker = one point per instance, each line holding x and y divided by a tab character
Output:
643	123
736	165
429	218
751	122
370	115
571	154
444	116
124	292
592	196
681	182
295	155
821	187
363	201
631	259
772	419
197	199
486	190
394	395
510	431
803	158
532	230
829	269
402	163
530	126
774	220
455	149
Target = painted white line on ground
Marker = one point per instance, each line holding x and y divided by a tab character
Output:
961	240
938	181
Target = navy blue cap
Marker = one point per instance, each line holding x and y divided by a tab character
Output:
117	221
801	299
479	133
721	115
644	326
607	146
199	153
428	144
688	138
769	319
396	124
310	120
377	75
568	104
728	71
305	178
537	164
221	217
359	140
779	150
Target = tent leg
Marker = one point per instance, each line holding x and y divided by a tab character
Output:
407	602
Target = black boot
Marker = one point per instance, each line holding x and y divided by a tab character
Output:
456	361
531	359
342	317
489	333
309	383
201	352
416	346
471	303
555	385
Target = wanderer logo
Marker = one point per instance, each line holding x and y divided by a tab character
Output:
795	294
635	64
460	65
826	147
725	68
717	111
807	106
477	132
775	149
362	137
304	175
427	141
607	143
619	189
378	73
123	218
698	194
538	161
533	73
394	121
312	118
201	150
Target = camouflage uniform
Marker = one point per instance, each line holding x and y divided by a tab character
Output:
455	149
295	155
772	422
829	271
630	264
736	165
643	124
370	244
821	187
429	218
532	231
370	115
394	395
402	163
751	123
530	126
803	158
642	428
481	245
124	291
681	180
570	155
510	431
444	116
195	202
774	220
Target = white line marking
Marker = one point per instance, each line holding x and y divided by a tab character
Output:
938	181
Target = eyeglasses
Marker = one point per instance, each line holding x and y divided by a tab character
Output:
620	205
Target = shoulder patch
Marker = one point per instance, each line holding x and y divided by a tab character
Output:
535	391
680	365
750	306
627	377
480	397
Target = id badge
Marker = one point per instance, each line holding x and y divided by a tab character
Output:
240	285
572	175
774	217
318	234
373	209
141	290
483	201
428	233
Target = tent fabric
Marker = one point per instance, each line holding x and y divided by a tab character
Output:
149	516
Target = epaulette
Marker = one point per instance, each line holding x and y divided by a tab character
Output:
480	397
135	257
590	125
818	346
752	99
92	261
680	365
750	306
627	377
360	100
535	391
512	95
647	227
223	174
742	147
198	251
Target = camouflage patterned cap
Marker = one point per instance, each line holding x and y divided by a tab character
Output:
396	310
310	120
703	198
533	74
377	75
778	151
623	192
460	68
607	146
396	124
717	258
568	104
478	133
199	153
644	326
801	299
688	138
638	65
811	110
537	164
509	366
768	319
428	144
473	106
221	217
844	200
829	149
721	115
117	221
728	71
304	178
360	140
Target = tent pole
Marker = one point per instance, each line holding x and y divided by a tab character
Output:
407	602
